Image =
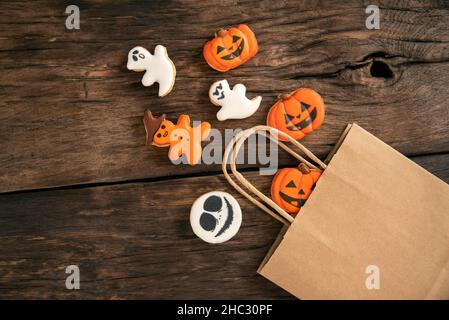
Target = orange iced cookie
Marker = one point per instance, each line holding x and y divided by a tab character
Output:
291	187
181	138
297	113
230	48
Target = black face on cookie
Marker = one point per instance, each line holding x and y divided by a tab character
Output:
137	55
236	53
214	213
234	50
214	204
218	93
215	217
138	59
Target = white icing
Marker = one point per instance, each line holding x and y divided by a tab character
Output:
159	68
234	103
219	224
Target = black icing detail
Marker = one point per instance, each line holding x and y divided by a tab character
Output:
219	49
301	192
217	92
208	221
302	124
235	38
312	114
236	53
289	119
229	218
291	200
213	204
135	58
291	184
135	51
304	106
141	56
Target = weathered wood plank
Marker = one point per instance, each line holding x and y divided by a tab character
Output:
130	241
70	112
134	241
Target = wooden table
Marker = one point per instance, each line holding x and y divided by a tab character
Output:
79	186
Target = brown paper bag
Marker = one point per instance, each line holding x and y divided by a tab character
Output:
375	227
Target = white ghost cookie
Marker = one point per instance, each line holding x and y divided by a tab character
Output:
159	68
234	103
215	217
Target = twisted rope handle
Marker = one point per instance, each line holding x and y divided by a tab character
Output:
273	133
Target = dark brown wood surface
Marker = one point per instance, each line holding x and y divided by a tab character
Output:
134	241
79	185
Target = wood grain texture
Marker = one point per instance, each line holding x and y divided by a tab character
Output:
71	118
71	113
130	241
134	241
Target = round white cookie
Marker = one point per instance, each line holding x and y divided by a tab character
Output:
216	217
158	67
234	103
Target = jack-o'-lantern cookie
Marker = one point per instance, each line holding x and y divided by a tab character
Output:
297	113
291	187
158	67
230	48
216	217
181	138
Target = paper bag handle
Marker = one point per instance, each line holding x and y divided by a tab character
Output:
238	140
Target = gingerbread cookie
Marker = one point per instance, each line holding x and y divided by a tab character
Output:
234	103
291	187
181	138
230	48
158	67
216	217
297	113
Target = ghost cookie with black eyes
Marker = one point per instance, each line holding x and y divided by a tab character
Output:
158	67
233	102
216	217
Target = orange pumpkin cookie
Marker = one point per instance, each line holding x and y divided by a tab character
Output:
291	187
230	48
297	113
181	138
